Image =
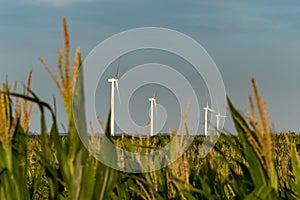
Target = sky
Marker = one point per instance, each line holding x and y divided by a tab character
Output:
244	38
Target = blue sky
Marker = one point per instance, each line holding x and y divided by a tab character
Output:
244	38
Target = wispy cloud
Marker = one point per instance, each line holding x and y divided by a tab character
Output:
58	2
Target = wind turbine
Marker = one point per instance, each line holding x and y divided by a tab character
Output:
206	109
114	82
153	103
218	116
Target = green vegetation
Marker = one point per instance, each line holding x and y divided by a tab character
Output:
254	164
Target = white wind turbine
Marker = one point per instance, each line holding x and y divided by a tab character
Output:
153	104
218	116
206	109
114	82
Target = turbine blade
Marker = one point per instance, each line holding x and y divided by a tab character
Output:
154	95
211	110
117	73
118	91
155	106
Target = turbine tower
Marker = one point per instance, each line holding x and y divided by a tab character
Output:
206	109
218	116
114	82
153	103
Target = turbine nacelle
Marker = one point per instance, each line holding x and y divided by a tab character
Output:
113	80
219	115
209	109
152	99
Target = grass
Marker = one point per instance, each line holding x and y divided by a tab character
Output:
254	164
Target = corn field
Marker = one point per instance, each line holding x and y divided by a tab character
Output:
254	163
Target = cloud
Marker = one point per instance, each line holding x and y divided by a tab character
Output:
57	2
61	3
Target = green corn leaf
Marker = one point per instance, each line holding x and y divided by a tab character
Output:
258	175
295	161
